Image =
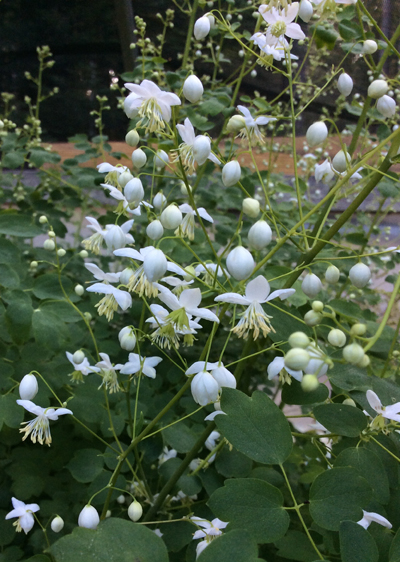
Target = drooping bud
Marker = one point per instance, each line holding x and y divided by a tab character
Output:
126	275
192	88
161	159
132	138
114	237
139	158
299	339
311	285
316	133
235	124
28	387
155	230
341	160
386	106
345	84
49	244
332	274
204	388
260	235
297	359
370	47
202	28
88	517
359	275
134	192
135	511
127	338
312	318
155	265
171	217
337	338
78	357
124	178
306	10
309	383
349	402
358	329
79	290
240	263
57	524
159	200
231	173
201	149
353	353
378	88
251	207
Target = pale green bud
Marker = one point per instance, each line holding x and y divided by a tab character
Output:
353	353
297	359
312	318
135	511
358	329
309	383
349	402
317	306
57	524
79	290
49	245
132	138
299	339
251	207
78	357
337	338
139	158
332	274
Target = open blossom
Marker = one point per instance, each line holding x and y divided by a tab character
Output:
391	412
166	455
24	512
209	531
113	235
251	130
271	47
254	318
185	150
151	104
280	22
113	172
371	517
108	372
186	228
83	368
124	205
39	428
277	366
167	334
138	364
113	298
210	272
208	381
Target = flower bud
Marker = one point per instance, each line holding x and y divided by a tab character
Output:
332	274
121	499
190	273
135	511
155	265
126	275
311	285
359	275
369	47
231	173
317	306
260	235
309	383
161	159
202	28
345	84
43	219
297	359
132	138
88	517
349	402
358	329
134	192
155	230
316	133
204	388
251	207
139	158
49	245
386	106
312	318
78	357
365	361
33	264
235	124
124	178
299	339
79	290
337	338
28	387
114	237
201	149
341	160
377	89
57	524
306	10
240	263
192	88
127	338
159	200
171	217
83	254
353	353
61	252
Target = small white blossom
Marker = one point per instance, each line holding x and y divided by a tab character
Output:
186	228
39	428
391	412
138	364
82	368
251	130
114	297
370	517
166	455
280	22
24	512
108	371
209	531
185	151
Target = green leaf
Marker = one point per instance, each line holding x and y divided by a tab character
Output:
8	276
62	309
14	159
356	543
368	465
236	545
231	463
19	320
341	419
115	540
18	225
253	505
10	413
8	251
325	37
255	426
349	30
211	107
86	465
47	286
39	156
336	495
294	394
295	546
180	437
48	329
394	553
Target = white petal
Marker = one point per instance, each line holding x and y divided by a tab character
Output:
31	407
258	289
374	401
233	298
190	298
275	367
281	293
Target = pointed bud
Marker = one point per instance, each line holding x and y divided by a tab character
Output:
251	207
309	383
159	200
316	133
202	28
127	338
349	402
337	338
311	286
378	88
88	517
386	106
260	235
155	265
78	357
231	173
192	89
341	160
28	387
201	149
332	274
171	217
240	263
161	159
299	339
124	178
359	275
369	47
139	158
353	353
155	230
312	318
135	511
57	524
235	124
134	192
297	359
345	84
132	138
306	10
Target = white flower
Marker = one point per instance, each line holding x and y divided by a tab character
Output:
151	104
186	228
24	512
100	275
28	387
118	236
108	372
114	297
251	130
275	368
138	364
323	172
39	428
370	517
185	151
209	531
240	263
113	172
254	318
202	27
386	106
192	88
208	381
391	412
211	441
166	455
84	367
124	205
211	271
316	133
95	241
185	307
167	334
280	21
88	517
